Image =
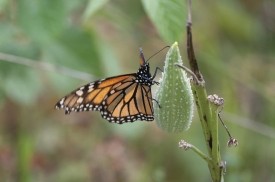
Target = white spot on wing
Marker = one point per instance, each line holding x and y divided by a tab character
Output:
79	100
62	101
79	92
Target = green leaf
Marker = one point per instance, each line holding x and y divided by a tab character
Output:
76	49
174	95
22	86
93	7
3	5
43	20
169	17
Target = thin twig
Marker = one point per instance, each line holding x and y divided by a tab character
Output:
186	146
45	66
190	50
189	71
224	125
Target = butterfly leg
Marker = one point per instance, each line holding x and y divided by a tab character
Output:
150	79
155	101
152	99
155	73
155	82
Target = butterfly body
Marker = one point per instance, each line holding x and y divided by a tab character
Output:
119	99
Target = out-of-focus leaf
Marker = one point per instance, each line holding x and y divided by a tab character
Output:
76	49
3	4
64	84
236	23
22	86
111	63
169	17
93	7
42	20
12	42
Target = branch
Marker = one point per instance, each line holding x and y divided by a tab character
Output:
207	111
190	50
183	144
256	126
45	66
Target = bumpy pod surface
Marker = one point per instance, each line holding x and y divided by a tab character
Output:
174	95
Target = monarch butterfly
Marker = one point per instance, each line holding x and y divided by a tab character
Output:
119	99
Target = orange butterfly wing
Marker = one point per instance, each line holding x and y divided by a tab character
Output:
119	99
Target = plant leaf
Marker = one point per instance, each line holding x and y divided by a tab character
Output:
93	7
168	17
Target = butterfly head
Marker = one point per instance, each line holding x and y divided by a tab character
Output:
143	74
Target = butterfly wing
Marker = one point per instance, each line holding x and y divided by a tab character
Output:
129	102
119	99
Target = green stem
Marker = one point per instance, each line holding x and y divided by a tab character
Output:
201	154
207	112
24	157
209	123
202	103
183	144
215	138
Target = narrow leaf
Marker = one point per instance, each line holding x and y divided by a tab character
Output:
93	7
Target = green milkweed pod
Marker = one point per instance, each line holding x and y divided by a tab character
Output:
174	95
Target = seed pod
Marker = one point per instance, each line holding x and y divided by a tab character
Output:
174	95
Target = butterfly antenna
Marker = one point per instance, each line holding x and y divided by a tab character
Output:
141	55
157	53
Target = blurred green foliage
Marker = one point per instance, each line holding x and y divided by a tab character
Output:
234	42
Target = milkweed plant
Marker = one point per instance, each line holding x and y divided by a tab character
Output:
174	95
174	111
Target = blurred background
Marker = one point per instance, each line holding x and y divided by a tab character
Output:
48	48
